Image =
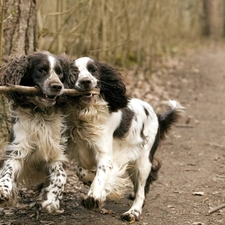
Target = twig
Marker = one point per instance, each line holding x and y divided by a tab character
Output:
2	27
71	9
184	126
216	145
35	90
216	209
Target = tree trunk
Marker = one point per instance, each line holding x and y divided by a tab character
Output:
211	12
19	37
223	17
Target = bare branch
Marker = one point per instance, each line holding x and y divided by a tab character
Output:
216	209
35	90
2	27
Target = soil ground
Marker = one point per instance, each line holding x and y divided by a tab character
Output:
192	178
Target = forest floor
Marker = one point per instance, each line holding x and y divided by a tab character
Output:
192	178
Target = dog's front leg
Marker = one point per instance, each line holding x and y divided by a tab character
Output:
11	168
104	157
52	191
97	194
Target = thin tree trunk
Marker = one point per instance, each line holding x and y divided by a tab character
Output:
19	37
2	4
223	17
211	11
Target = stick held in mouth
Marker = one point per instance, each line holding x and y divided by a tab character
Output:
34	90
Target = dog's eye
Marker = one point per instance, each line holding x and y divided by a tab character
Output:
60	75
42	70
92	70
58	72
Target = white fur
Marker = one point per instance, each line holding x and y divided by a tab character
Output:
131	148
36	145
94	146
84	74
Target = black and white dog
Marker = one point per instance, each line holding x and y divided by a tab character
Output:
35	152
112	136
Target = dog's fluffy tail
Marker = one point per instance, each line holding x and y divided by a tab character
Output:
170	117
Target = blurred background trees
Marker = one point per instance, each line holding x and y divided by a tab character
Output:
122	32
126	33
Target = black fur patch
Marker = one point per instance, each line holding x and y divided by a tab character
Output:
156	164
166	121
112	88
142	132
127	117
70	71
146	111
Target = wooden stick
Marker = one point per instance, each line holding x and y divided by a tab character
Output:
73	92
216	209
35	90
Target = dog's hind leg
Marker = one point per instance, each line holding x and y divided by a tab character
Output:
139	175
52	191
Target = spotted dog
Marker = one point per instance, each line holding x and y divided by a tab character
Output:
36	150
114	135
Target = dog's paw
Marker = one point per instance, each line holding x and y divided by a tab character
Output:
131	197
4	194
89	202
131	216
52	207
87	176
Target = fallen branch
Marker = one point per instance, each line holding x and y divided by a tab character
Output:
35	90
216	145
216	209
184	126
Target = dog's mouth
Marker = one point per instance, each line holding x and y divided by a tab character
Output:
49	99
86	97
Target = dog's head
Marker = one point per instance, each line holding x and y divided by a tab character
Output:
40	69
94	74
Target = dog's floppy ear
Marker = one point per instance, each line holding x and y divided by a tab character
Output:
113	88
70	71
13	70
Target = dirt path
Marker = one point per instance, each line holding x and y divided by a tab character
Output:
194	156
193	159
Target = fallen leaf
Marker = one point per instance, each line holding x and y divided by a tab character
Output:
106	211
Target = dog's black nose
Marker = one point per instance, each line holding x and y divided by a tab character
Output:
85	83
56	87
